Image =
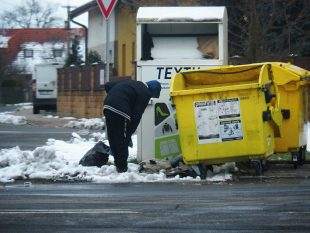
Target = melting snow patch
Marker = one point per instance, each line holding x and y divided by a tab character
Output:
83	123
8	118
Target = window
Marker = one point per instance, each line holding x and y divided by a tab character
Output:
57	53
28	53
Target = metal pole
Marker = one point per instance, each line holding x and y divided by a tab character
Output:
68	27
107	51
107	68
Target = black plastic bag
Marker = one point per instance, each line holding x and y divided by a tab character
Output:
97	156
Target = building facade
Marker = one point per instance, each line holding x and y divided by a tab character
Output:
24	48
122	38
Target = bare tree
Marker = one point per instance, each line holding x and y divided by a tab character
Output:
32	14
269	29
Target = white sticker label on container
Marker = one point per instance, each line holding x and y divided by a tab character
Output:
229	108
207	121
231	130
218	120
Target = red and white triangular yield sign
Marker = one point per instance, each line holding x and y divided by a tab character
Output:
106	7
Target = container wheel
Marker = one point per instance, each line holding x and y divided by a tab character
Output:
35	109
176	161
265	165
258	167
295	158
302	155
203	171
200	170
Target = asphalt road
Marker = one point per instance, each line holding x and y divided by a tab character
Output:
7	108
270	206
29	137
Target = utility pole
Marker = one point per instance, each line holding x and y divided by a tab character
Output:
68	27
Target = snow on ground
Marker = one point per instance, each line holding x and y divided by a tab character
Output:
59	160
57	117
83	123
51	116
8	118
22	106
25	107
69	118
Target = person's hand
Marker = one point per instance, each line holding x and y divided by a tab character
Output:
130	144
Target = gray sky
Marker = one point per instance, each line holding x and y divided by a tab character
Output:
61	12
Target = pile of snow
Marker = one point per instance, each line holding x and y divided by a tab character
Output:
8	118
59	160
83	123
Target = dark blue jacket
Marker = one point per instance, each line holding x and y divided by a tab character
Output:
128	98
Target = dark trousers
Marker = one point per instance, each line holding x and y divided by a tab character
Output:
118	138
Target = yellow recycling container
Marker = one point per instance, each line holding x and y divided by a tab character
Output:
227	113
293	85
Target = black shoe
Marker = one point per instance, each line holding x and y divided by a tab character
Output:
121	170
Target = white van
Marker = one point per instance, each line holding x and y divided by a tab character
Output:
45	97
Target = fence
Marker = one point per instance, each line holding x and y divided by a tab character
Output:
79	91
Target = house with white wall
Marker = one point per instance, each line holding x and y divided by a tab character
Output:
25	48
96	32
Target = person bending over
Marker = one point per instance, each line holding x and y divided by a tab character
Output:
123	107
